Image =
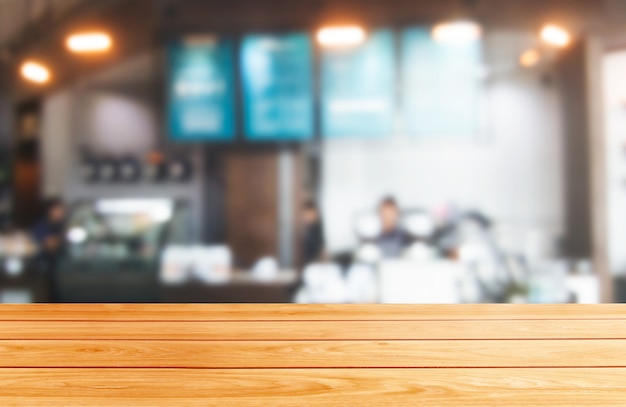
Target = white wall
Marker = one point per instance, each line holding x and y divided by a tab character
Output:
119	125
614	88
513	171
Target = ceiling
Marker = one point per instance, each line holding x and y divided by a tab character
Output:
26	22
16	16
36	28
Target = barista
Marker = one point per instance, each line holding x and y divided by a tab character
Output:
393	239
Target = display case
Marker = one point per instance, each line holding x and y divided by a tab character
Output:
113	248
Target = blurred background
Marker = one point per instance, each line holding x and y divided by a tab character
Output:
313	151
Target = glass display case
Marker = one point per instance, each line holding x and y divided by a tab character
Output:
113	248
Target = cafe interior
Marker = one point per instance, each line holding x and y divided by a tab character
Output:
313	151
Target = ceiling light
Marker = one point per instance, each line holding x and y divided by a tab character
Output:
89	42
555	35
456	32
341	36
530	58
35	72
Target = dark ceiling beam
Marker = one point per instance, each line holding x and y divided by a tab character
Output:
254	14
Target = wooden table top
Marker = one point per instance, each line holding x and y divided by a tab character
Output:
312	355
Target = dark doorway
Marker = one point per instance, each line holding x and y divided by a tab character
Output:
252	205
262	200
26	165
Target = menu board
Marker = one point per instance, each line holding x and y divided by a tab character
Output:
201	103
277	87
441	86
358	88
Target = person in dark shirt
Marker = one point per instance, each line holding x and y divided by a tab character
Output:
393	240
313	243
49	235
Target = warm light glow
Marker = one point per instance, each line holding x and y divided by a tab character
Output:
555	35
35	72
456	32
530	58
89	42
341	36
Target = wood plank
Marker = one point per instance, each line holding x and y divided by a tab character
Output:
321	387
295	312
316	330
314	354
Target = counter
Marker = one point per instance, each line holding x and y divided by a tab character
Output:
312	355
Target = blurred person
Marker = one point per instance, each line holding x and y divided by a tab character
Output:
313	243
393	239
49	235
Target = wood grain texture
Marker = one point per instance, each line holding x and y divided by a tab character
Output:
313	354
313	387
316	330
330	355
292	312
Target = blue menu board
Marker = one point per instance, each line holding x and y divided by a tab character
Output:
277	87
441	86
201	104
358	88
